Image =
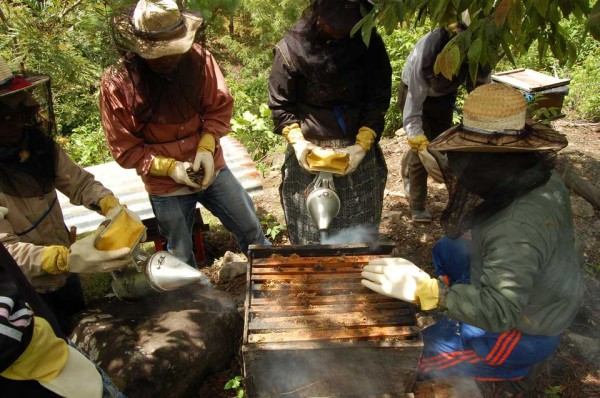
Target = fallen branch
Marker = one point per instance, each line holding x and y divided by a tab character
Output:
580	186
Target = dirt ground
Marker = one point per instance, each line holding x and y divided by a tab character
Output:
569	373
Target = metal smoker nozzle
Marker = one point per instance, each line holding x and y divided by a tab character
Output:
159	272
322	202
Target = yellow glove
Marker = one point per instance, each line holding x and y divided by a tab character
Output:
83	257
204	160
44	357
177	171
122	231
365	138
294	136
401	279
320	159
108	203
418	143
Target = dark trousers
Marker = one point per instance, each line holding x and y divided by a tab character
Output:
66	302
436	118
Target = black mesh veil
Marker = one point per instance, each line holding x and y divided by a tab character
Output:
481	184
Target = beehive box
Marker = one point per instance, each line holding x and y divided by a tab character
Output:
312	330
544	90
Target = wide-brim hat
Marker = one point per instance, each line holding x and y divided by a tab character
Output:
11	84
155	29
494	120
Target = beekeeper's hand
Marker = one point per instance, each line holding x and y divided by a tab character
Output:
356	153
79	378
204	159
418	143
110	207
3	212
83	257
294	136
401	279
176	170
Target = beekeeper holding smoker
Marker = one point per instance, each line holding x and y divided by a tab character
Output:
38	255
508	292
32	169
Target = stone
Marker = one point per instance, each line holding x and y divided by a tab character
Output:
581	207
164	345
231	271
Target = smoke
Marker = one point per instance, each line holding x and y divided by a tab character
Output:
358	234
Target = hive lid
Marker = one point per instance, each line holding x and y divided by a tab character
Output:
529	80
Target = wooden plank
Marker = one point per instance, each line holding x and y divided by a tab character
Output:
318	300
307	277
529	80
381	248
311	261
337	345
294	270
348	319
388	332
281	310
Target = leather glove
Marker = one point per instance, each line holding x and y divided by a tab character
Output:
122	231
294	136
83	257
356	153
204	159
328	160
79	378
401	279
418	143
176	170
111	208
3	212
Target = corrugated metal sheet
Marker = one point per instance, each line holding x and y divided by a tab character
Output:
128	186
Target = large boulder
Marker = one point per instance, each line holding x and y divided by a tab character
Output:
164	345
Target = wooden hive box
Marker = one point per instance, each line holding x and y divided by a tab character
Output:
312	330
546	92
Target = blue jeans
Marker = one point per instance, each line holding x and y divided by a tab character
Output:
454	348
225	198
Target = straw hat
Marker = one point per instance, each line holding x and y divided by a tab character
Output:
155	29
11	84
494	121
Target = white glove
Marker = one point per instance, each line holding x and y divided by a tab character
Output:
302	149
3	212
179	174
79	378
393	277
356	154
85	258
204	161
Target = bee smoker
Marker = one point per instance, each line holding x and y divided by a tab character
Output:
322	203
159	272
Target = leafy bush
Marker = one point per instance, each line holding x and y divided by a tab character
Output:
87	146
585	88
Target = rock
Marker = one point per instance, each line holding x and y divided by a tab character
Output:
587	348
230	271
164	345
581	207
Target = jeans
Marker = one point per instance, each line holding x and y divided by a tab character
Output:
225	198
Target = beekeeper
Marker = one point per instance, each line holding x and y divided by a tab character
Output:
36	359
165	106
328	93
508	278
427	100
32	168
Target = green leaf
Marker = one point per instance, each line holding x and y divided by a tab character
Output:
475	51
448	61
501	12
249	116
541	6
367	27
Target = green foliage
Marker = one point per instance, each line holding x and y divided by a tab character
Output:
256	132
585	88
87	146
553	392
236	384
273	229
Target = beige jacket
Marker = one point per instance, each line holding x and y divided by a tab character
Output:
75	183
